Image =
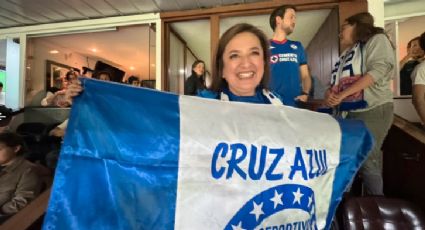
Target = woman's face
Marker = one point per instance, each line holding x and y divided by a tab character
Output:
416	50
199	69
346	34
7	153
243	64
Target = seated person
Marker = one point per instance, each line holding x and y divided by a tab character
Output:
19	182
415	55
87	72
103	75
54	94
133	80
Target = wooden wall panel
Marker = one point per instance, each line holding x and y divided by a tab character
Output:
403	162
323	51
215	34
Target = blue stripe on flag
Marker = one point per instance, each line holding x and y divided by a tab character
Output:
103	182
354	133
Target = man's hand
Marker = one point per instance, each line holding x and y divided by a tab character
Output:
73	90
303	98
57	132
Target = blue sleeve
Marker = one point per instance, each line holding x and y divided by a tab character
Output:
302	57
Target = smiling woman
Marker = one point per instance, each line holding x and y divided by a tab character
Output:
241	67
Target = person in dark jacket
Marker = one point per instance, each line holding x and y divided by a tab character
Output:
415	55
196	81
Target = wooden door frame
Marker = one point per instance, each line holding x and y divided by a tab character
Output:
345	9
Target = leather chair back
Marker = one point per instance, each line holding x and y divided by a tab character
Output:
381	213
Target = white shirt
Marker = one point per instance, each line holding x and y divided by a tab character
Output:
418	74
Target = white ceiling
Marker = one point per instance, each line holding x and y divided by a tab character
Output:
15	13
395	9
122	48
31	12
308	22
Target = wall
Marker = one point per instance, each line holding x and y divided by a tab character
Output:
37	54
323	50
14	83
176	69
2	52
407	29
376	8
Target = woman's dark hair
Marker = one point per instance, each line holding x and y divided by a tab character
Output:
409	44
97	74
218	82
13	140
195	64
69	74
422	41
131	79
280	11
364	28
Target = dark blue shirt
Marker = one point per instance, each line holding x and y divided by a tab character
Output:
286	58
257	98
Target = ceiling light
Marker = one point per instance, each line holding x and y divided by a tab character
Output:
132	68
54	51
94	50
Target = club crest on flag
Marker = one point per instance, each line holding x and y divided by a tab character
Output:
255	213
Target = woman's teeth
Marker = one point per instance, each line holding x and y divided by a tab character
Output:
246	75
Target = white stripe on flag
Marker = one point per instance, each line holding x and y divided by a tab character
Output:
207	202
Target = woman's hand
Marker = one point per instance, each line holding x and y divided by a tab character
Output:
333	99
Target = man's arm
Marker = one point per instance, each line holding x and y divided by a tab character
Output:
48	99
418	100
305	82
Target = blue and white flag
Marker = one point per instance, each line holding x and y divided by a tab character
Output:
136	158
